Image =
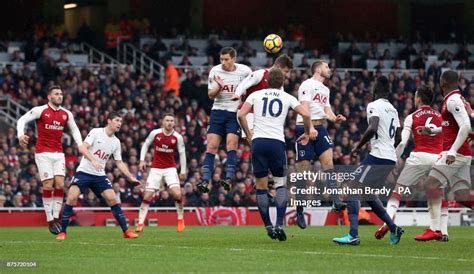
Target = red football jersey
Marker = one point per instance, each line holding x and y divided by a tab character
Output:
50	124
261	83
450	126
426	116
164	148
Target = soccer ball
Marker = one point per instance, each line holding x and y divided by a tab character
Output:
272	43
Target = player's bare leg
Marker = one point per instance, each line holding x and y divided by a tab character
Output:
301	166
328	166
147	197
109	196
232	142
58	196
71	201
176	193
434	195
213	141
48	190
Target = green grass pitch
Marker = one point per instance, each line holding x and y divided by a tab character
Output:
232	249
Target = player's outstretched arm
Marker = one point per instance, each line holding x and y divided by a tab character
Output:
251	80
246	107
33	114
76	134
124	169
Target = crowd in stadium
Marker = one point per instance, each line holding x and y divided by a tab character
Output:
92	93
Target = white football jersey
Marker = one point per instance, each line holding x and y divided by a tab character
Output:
101	146
231	80
384	140
270	107
317	94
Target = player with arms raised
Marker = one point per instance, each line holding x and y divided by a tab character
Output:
223	81
453	166
50	121
99	145
314	95
383	132
166	142
268	145
424	154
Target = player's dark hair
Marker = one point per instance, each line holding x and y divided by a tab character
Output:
113	115
53	87
167	114
228	50
275	78
316	65
382	87
425	94
450	78
284	61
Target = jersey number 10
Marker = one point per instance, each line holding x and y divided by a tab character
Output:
268	107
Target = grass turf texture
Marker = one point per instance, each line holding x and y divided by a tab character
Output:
238	249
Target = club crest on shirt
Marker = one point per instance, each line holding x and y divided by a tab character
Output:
173	141
64	116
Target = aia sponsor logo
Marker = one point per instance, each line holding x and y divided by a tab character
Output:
101	154
320	98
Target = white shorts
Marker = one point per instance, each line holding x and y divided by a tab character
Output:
457	175
158	176
416	167
50	164
249	117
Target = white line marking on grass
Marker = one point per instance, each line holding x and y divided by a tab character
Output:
355	254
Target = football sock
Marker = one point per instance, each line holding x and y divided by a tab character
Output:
231	163
48	204
179	208
353	206
58	198
67	213
263	206
119	216
143	211
208	166
281	201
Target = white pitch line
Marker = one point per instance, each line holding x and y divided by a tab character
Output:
255	250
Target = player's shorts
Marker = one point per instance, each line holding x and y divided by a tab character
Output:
223	122
457	175
313	148
417	166
268	154
50	164
97	184
158	176
373	171
250	118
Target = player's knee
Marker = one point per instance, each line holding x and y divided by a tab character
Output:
111	201
71	199
212	148
303	165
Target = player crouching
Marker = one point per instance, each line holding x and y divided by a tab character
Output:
96	149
